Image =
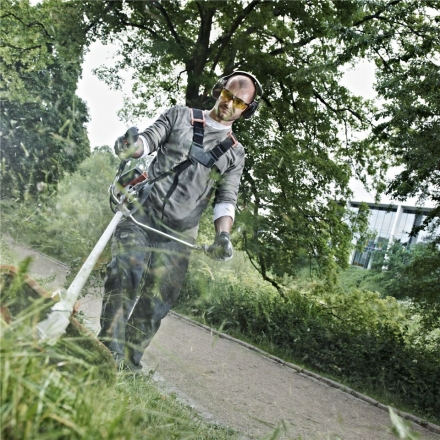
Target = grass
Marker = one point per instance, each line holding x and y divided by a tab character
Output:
358	278
72	390
51	395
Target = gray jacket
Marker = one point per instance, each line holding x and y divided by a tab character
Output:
171	137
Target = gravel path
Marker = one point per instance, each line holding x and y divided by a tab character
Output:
231	384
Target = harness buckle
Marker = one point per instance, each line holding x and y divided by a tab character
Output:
201	121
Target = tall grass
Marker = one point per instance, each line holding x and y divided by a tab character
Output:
72	390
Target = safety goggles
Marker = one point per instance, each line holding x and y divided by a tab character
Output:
238	103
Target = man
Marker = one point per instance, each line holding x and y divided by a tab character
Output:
147	270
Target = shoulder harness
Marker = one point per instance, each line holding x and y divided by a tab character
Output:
197	153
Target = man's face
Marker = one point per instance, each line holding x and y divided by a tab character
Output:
224	108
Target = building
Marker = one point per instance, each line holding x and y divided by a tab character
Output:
389	222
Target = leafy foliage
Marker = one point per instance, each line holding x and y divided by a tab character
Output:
296	180
303	147
69	223
408	123
412	274
42	120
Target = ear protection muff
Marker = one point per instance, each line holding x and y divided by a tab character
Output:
216	90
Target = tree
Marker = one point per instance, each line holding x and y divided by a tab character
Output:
412	274
301	148
408	128
42	120
422	281
296	181
387	268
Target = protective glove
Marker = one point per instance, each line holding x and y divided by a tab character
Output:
221	249
125	145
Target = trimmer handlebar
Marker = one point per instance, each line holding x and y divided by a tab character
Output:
131	136
127	197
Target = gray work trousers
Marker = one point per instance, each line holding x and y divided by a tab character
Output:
143	281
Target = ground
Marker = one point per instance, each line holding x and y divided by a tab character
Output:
230	383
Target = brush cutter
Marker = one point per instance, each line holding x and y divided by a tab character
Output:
127	192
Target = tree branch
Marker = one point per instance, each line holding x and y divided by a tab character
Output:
385	63
201	48
144	28
94	23
168	22
377	14
263	275
261	268
336	110
226	38
33	23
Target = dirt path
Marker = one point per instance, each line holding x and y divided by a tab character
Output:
233	385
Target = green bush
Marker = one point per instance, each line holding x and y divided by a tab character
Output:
359	278
412	274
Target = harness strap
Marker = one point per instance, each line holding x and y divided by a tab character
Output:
178	169
196	152
198	122
224	146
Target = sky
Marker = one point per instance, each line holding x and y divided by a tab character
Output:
103	103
